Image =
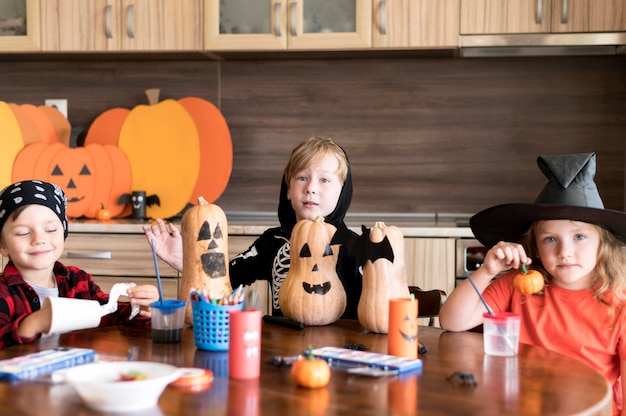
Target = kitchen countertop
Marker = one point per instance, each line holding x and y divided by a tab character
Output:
254	223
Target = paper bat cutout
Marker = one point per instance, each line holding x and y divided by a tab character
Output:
374	251
139	202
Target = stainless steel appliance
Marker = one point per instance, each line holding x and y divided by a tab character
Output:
470	254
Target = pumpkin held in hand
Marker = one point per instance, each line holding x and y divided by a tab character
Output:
205	253
310	372
528	282
312	292
384	275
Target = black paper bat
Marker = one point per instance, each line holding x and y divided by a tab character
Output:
374	251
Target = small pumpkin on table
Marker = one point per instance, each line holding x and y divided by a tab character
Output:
310	372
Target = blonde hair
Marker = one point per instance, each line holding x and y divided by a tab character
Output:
313	150
609	272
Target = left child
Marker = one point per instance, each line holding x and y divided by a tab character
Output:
33	229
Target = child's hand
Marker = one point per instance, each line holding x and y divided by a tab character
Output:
505	256
143	295
168	242
37	322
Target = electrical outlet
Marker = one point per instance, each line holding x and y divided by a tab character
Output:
59	104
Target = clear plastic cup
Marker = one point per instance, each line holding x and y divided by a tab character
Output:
501	333
168	320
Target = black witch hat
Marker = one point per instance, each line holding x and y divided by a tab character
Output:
569	194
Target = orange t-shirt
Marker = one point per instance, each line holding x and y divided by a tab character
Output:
570	322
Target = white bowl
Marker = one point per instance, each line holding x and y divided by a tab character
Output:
100	387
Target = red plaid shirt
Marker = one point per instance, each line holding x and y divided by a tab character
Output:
18	299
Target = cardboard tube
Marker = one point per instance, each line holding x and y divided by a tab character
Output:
403	327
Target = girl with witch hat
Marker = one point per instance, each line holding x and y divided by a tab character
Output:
577	245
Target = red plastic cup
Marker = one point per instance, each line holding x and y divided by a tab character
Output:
244	354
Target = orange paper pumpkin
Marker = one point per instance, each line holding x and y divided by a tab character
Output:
384	276
12	142
216	149
89	176
312	292
178	149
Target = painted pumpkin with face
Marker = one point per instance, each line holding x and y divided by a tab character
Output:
312	292
384	275
205	253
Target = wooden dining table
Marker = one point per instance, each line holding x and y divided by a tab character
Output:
535	382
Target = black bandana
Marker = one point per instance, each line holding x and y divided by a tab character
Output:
33	192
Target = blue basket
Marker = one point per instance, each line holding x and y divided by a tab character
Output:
211	324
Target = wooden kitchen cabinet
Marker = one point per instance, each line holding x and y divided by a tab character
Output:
430	263
415	24
542	16
111	258
287	24
20	26
121	25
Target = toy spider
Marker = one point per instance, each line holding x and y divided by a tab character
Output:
462	379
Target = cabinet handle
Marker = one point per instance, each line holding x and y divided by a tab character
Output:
294	31
129	15
564	12
383	17
539	16
108	22
102	255
278	31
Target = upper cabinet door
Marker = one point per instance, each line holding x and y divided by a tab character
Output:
19	25
287	24
122	25
161	25
542	16
415	23
80	26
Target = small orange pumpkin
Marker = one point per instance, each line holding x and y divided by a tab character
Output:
311	372
103	214
528	282
312	292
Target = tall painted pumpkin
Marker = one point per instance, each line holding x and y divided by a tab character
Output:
205	253
312	292
384	275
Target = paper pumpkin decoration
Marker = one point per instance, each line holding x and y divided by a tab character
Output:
204	230
312	292
178	149
12	143
384	275
105	129
216	149
90	176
